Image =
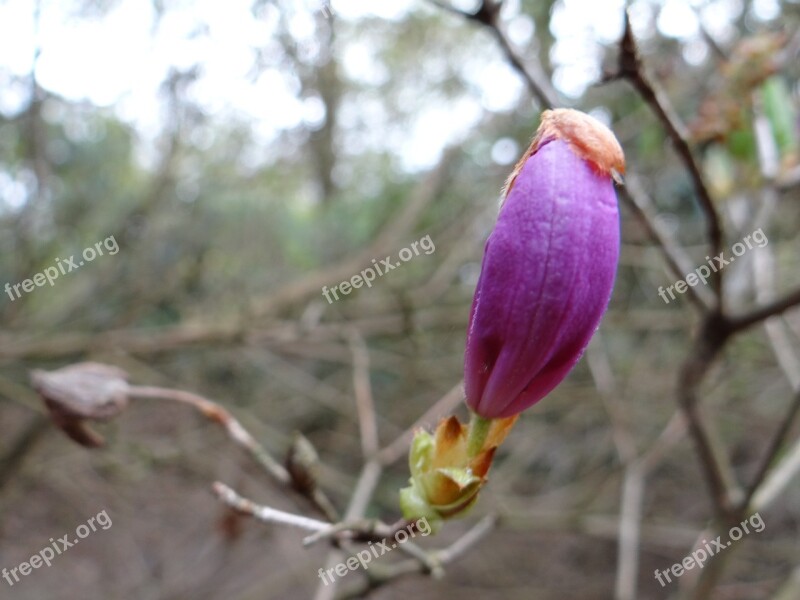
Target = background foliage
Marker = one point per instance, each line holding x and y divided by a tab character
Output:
234	199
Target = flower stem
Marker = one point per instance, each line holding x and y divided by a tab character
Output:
478	430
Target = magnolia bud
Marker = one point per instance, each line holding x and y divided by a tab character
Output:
548	268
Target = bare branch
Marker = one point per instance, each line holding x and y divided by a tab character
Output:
632	70
739	323
238	434
266	513
365	405
446	404
775	446
487	15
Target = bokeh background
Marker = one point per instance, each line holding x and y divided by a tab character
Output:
243	154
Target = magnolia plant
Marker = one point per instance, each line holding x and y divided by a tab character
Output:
546	279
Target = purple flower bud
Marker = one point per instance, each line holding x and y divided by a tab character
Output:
548	268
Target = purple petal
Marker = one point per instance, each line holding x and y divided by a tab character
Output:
546	279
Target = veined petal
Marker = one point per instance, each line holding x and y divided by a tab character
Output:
547	275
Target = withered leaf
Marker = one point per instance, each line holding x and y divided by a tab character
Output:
84	391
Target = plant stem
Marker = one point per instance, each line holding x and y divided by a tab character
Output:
478	430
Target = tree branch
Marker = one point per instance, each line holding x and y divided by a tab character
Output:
631	69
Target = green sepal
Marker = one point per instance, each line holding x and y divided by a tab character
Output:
420	457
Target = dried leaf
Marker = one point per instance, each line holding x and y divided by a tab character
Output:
84	391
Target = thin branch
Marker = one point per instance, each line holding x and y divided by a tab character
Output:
266	513
777	307
790	590
467	541
238	434
678	262
630	525
365	404
708	342
446	404
368	526
436	559
632	70
775	446
487	14
710	459
367	481
217	414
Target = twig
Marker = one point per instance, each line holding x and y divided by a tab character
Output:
630	517
367	480
777	307
777	480
634	195
467	541
364	526
266	513
718	479
487	14
238	434
790	590
778	440
631	69
630	524
763	275
216	413
397	449
436	560
365	404
421	196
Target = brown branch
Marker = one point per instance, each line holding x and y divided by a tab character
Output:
708	455
741	322
217	332
389	237
217	414
709	340
377	578
677	262
487	14
631	69
266	514
778	440
446	404
365	404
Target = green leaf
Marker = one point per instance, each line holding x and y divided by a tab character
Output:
420	456
781	114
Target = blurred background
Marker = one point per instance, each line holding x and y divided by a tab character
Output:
242	155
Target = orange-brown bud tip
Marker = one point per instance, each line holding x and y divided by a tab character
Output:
588	137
